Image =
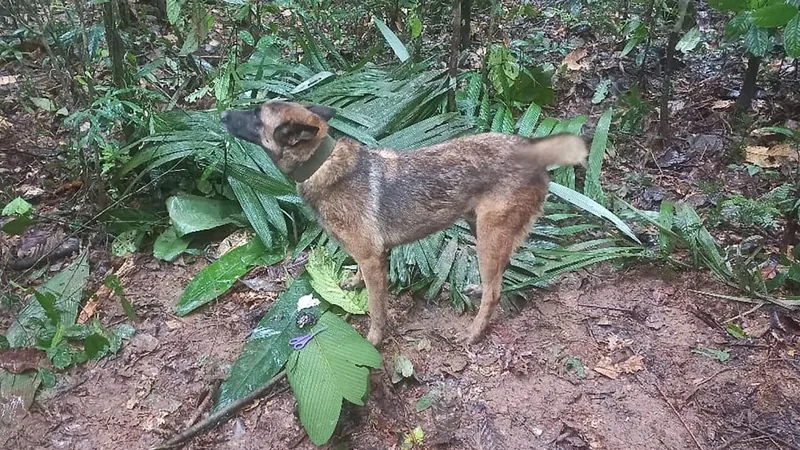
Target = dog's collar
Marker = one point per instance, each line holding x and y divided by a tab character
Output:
307	168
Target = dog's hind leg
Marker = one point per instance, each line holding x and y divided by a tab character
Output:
501	224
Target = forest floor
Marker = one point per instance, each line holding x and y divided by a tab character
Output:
601	360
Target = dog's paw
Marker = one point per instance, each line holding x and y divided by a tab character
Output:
375	338
473	290
353	283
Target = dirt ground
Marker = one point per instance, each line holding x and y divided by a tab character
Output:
513	391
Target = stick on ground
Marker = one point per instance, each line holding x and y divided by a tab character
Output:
215	419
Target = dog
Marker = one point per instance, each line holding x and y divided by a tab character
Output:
373	199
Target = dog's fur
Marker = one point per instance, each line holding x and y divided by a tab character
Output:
373	199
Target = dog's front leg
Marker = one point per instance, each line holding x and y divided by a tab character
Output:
373	268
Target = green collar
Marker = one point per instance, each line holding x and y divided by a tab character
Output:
307	168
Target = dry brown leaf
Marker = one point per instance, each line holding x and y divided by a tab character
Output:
573	59
616	343
606	368
722	104
235	239
770	157
104	292
8	79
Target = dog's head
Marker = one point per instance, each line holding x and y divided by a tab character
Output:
288	132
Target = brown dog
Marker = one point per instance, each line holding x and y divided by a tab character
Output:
373	199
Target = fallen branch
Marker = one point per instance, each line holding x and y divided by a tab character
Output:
215	419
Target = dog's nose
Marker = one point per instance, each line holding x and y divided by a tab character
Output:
224	116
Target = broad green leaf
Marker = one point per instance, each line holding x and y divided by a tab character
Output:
689	40
736	331
791	37
18	226
169	246
427	400
267	349
592	187
95	345
403	368
220	275
67	288
721	355
113	282
666	219
247	38
443	266
774	16
17	392
739	24
757	41
590	206
325	281
333	366
601	91
44	103
392	39
174	10
729	5
126	242
18	206
190	213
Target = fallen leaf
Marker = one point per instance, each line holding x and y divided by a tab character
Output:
770	157
606	368
573	59
722	104
234	240
8	79
616	343
424	344
721	355
403	368
18	360
104	292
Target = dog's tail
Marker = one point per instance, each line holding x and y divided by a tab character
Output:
560	150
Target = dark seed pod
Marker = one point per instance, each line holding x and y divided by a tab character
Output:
306	319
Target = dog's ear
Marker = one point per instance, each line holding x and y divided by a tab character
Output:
288	134
322	111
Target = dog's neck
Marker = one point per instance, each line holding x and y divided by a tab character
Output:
307	168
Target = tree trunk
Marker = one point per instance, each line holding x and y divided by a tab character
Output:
115	48
466	18
455	41
748	90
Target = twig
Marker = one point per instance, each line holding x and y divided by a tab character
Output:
774	437
746	313
734	440
214	419
612	308
696	388
696	442
212	392
777	301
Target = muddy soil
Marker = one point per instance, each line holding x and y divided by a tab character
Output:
533	384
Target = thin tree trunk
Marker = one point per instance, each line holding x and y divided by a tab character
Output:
748	90
666	85
651	12
115	48
455	41
466	19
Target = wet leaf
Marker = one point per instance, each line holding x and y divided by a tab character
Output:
689	41
403	368
721	355
18	226
325	281
427	400
574	364
67	287
191	213
773	16
791	37
601	91
736	331
96	345
757	40
18	360
48	378
267	349
392	39
220	275
331	367
169	246
18	206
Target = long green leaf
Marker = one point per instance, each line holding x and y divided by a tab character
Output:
591	206
392	39
220	275
591	186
